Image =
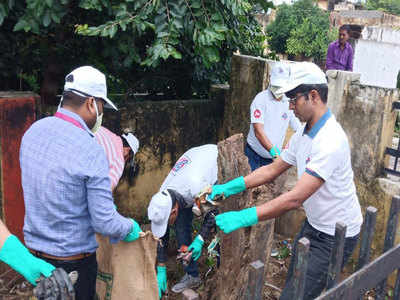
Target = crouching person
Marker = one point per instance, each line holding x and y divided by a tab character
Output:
172	207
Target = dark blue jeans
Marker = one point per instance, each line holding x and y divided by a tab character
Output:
183	230
321	245
255	160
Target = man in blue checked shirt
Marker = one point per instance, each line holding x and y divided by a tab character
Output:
66	184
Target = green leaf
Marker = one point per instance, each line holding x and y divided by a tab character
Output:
212	54
113	31
11	4
46	19
177	23
175	54
3	13
49	3
21	24
55	17
220	27
162	34
195	4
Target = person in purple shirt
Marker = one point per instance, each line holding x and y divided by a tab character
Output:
340	53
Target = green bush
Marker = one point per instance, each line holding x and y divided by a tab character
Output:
301	29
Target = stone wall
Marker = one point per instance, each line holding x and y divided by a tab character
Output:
364	18
377	56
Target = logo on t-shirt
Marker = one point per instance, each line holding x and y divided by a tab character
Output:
308	160
183	161
284	116
257	113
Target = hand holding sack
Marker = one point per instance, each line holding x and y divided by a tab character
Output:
135	232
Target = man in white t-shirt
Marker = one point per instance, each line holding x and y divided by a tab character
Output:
270	117
320	151
172	205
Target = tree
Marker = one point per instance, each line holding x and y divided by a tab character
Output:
301	29
390	6
178	46
311	38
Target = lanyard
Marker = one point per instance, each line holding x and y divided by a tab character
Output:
68	119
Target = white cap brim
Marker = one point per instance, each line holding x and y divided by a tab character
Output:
110	104
158	213
159	229
129	139
288	88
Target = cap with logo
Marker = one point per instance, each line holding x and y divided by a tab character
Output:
303	73
87	81
158	212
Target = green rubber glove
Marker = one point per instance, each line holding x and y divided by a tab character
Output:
233	220
134	234
161	280
230	188
196	247
274	151
15	254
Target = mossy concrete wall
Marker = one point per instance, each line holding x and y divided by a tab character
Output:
165	130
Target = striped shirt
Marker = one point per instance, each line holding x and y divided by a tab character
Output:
66	188
113	147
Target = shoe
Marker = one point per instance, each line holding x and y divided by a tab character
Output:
187	282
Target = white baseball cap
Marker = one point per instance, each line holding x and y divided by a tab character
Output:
158	212
280	73
132	141
88	82
303	73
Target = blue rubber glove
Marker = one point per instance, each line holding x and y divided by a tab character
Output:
134	234
15	254
161	280
230	188
233	220
274	151
196	247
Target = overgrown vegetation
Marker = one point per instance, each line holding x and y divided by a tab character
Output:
173	47
390	6
301	29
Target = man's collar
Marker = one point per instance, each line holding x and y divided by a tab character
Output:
75	117
318	125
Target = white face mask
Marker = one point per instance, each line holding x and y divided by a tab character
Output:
99	119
